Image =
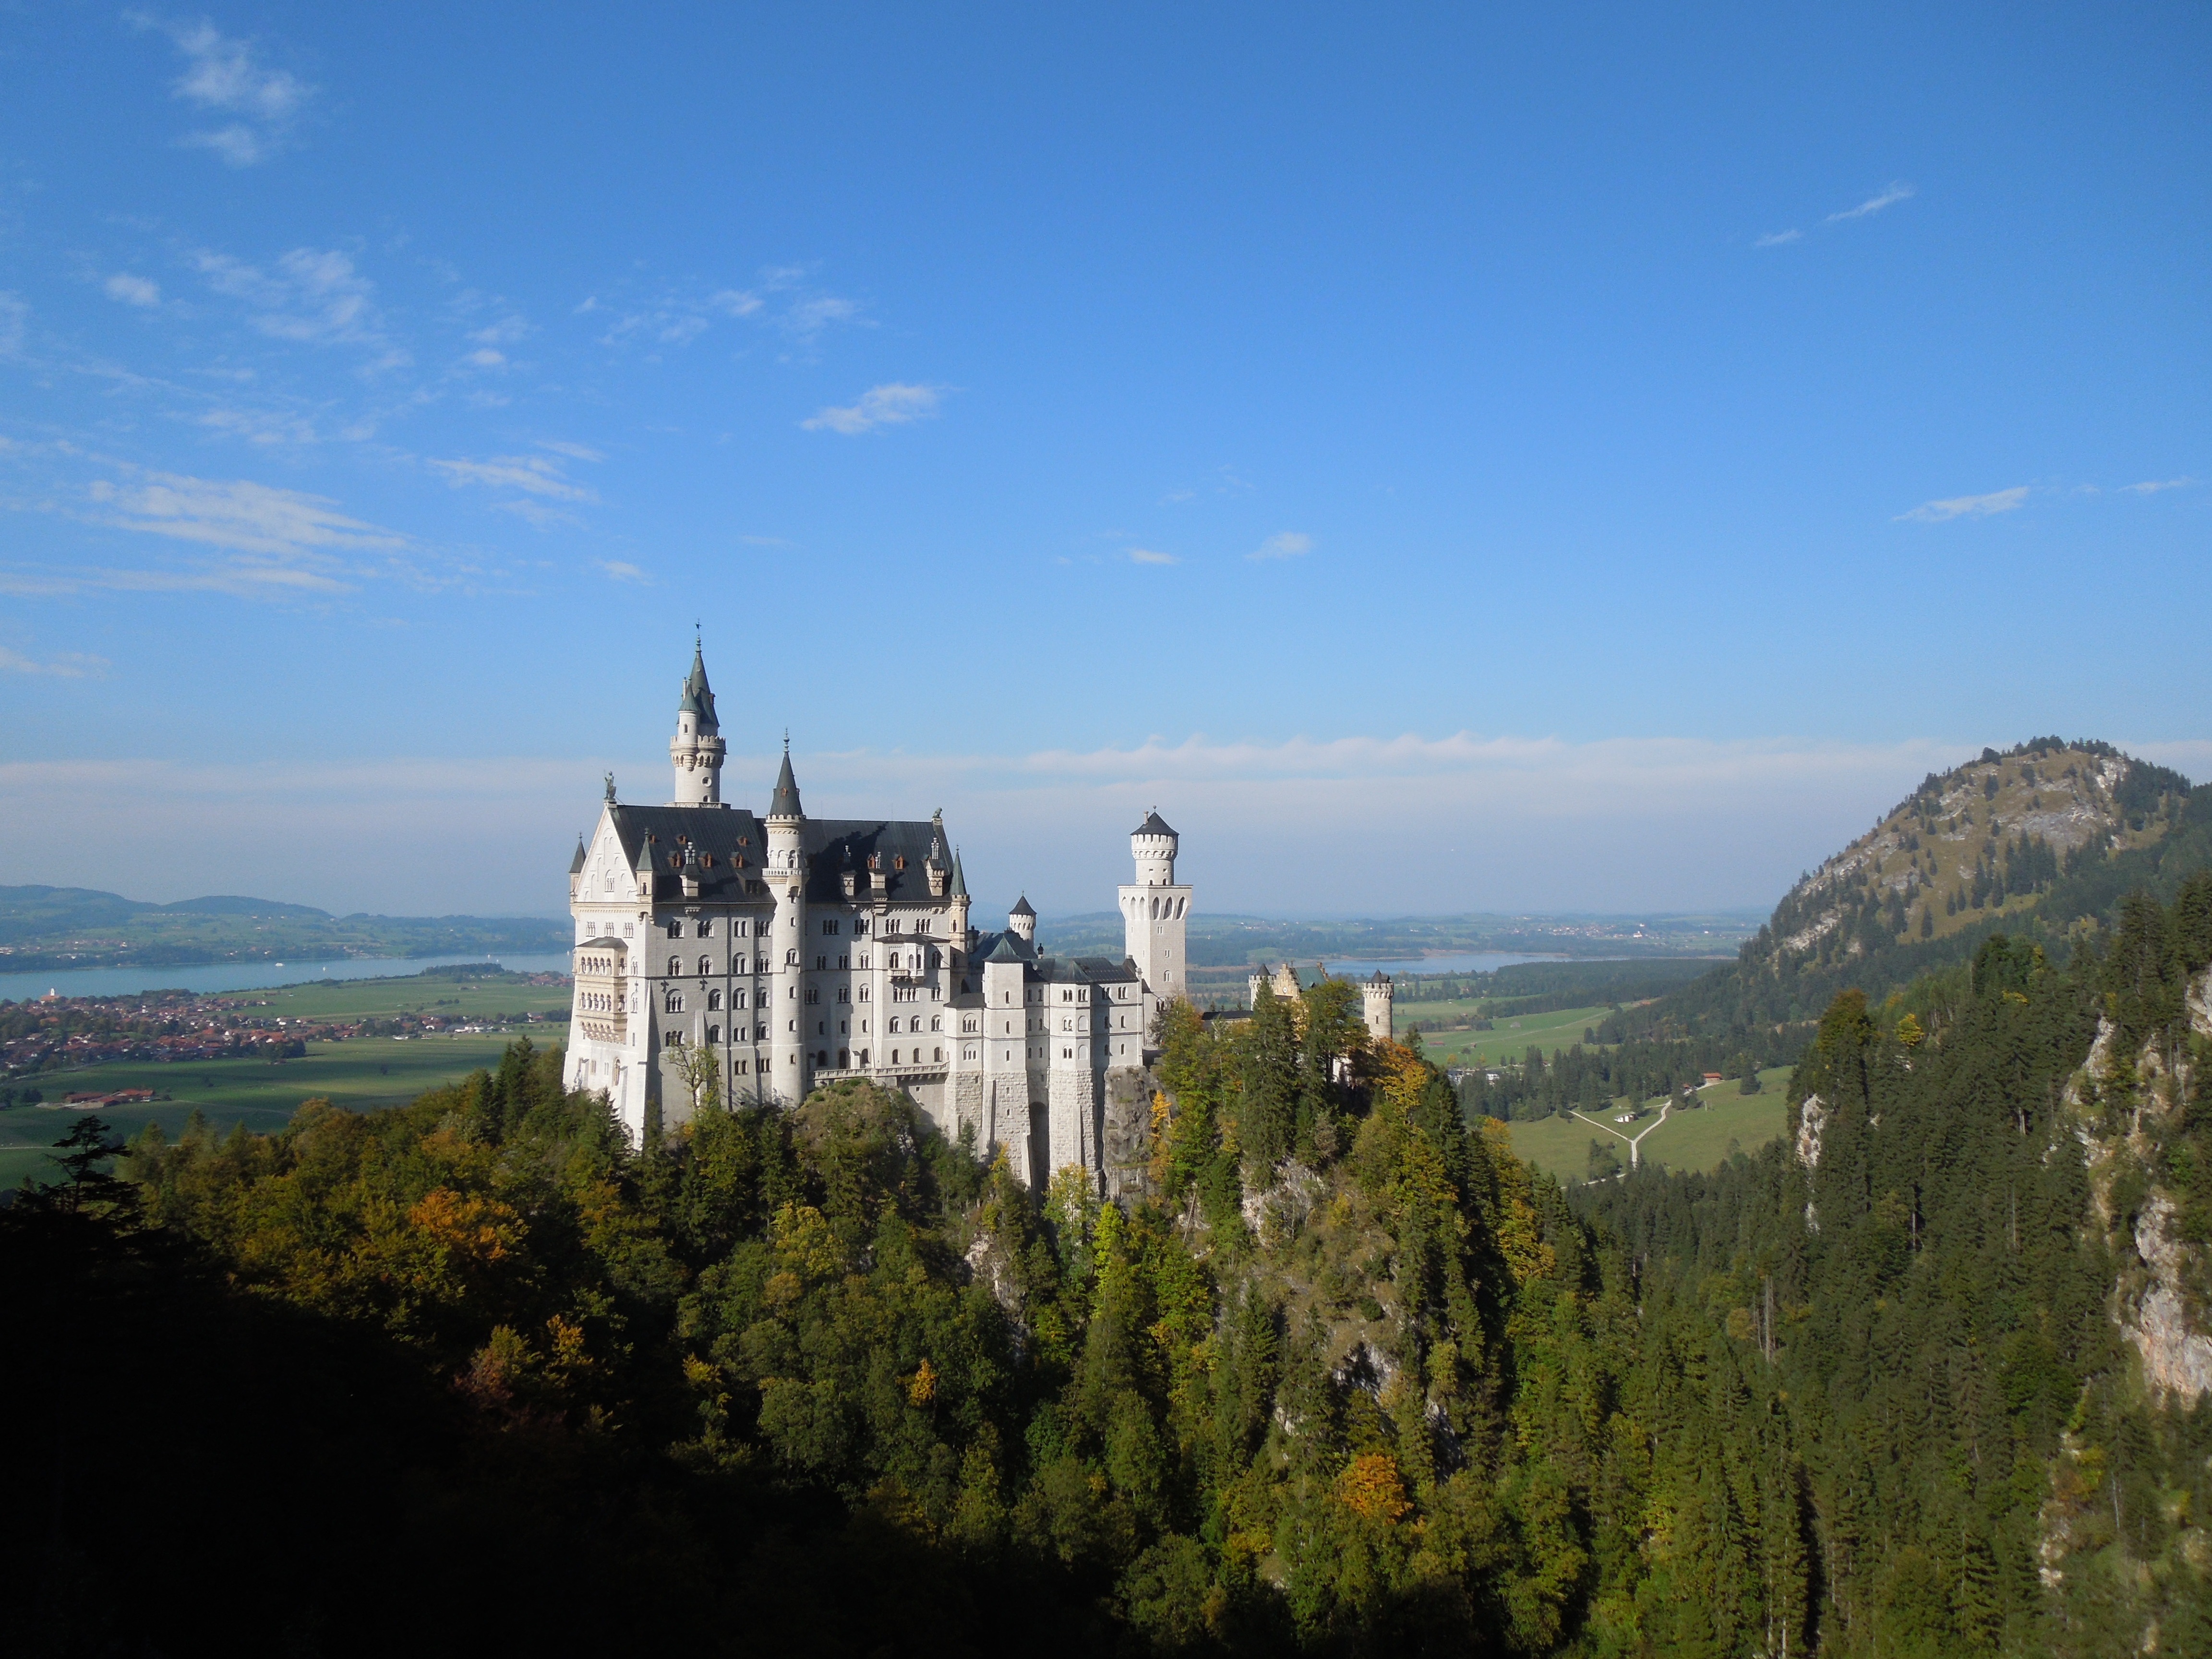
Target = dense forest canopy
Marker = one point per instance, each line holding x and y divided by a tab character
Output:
1348	1377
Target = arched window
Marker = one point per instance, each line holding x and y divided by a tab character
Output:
791	958
675	928
714	1034
705	966
813	994
714	999
675	966
706	928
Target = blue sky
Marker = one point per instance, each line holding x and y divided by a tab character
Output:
1517	459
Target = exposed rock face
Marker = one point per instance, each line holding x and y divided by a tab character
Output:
1812	1118
2159	1300
1127	1133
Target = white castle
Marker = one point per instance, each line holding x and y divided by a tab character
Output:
782	952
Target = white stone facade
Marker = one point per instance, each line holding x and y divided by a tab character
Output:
778	952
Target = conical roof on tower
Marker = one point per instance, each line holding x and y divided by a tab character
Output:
1021	907
698	696
784	803
958	886
1154	825
576	864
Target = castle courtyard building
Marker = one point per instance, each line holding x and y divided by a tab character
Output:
766	955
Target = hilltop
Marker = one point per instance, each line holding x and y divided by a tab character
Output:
44	929
2040	842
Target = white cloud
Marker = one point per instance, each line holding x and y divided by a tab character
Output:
1777	238
1535	823
505	332
532	474
225	75
485	357
69	665
238	515
2151	486
736	302
260	426
314	296
573	451
893	403
1288	546
132	290
1889	196
1148	555
1967	506
810	317
622	570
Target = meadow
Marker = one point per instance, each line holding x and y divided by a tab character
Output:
1509	1040
414	994
1699	1137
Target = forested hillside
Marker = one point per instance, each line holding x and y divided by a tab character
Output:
2036	843
1346	1377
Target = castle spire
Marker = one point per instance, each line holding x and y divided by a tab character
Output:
697	749
784	803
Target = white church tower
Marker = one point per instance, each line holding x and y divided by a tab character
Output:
697	748
1154	911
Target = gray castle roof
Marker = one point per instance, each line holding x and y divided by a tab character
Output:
1021	907
1154	825
737	840
576	864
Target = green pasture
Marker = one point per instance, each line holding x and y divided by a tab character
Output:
1695	1137
1509	1040
360	1074
381	999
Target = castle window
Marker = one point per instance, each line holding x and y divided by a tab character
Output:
739	1000
828	928
899	862
936	1025
844	1059
705	966
894	1057
630	930
845	961
675	966
821	962
967	1025
844	993
864	958
714	1035
675	928
675	1003
672	1040
864	989
706	928
714	999
860	925
813	994
939	1053
791	958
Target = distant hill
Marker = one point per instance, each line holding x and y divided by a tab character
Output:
48	929
2038	842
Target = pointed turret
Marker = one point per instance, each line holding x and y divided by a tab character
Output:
697	749
959	887
784	803
576	864
1021	920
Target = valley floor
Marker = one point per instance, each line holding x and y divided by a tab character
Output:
1701	1137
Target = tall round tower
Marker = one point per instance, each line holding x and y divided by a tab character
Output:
697	749
785	876
1154	910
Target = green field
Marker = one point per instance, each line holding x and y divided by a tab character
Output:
1509	1040
1689	1139
381	999
361	1073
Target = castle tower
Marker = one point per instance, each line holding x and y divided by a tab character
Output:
1023	921
697	749
1375	999
786	878
1155	909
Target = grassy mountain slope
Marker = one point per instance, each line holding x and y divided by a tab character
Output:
2035	843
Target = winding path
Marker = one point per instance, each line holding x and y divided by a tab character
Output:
1665	1107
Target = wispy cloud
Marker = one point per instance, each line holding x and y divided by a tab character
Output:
69	665
1967	506
2152	486
313	296
894	403
1289	545
573	451
1777	238
132	290
1148	555
264	426
1888	196
227	76
533	479
622	570
1177	497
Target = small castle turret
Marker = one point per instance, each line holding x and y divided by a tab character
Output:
1155	909
1023	921
1375	1000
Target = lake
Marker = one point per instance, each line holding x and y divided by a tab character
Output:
250	975
1463	962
